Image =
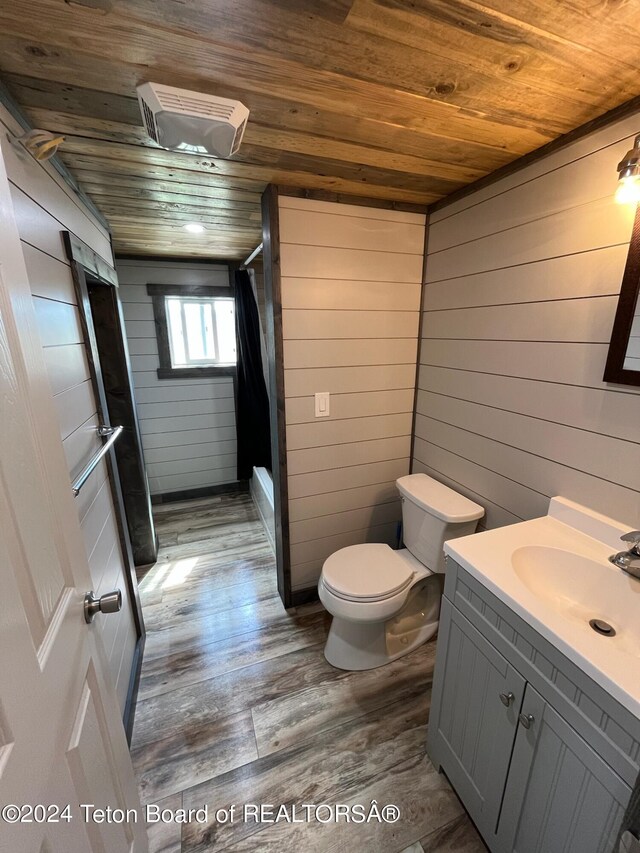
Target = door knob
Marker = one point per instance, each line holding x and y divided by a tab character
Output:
526	720
507	698
110	602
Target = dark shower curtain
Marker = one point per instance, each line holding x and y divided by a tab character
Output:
252	402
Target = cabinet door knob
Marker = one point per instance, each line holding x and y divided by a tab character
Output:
507	698
526	720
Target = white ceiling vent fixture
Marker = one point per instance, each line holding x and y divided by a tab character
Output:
190	121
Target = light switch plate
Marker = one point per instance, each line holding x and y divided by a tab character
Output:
323	405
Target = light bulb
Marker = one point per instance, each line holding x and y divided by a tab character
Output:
194	227
628	191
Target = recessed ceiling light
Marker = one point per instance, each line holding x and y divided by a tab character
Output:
194	227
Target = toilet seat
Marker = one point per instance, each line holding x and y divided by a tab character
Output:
366	573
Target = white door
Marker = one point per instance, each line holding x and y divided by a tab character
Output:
62	740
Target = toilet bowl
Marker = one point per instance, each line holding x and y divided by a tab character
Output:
386	603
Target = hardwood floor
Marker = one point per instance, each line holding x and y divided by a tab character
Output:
237	706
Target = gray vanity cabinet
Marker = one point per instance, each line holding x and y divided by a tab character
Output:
477	717
559	794
541	756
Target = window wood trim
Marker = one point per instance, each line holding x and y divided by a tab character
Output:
158	292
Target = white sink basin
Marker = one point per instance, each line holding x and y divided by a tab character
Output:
581	589
554	573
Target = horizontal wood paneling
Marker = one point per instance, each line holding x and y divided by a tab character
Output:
350	453
137	311
139	274
215	389
186	408
340	294
38	227
142	346
67	366
58	322
44	207
326	325
351	286
354	232
328	431
310	206
333	480
187	466
299	382
594	225
188	437
301	410
535	472
180	423
356	352
189	452
49	280
591	273
198	479
183	422
298	261
579	320
579	364
324	526
599	455
523	283
595	409
75	405
342	501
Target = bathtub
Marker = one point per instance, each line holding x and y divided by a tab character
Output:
261	486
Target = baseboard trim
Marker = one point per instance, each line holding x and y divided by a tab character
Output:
304	596
204	492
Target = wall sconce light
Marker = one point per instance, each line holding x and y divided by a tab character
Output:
629	176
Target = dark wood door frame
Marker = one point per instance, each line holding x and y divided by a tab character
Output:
88	268
275	358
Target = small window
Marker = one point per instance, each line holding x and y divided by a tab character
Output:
195	330
201	331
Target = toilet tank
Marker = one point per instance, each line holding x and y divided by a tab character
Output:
431	514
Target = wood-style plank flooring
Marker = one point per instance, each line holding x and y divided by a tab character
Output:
237	705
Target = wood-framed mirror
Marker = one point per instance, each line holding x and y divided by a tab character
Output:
623	358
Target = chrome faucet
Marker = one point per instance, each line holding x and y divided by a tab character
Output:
629	561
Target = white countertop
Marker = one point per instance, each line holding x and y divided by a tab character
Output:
612	662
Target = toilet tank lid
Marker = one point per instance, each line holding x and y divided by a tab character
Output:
438	499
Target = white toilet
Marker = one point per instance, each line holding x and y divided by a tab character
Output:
385	603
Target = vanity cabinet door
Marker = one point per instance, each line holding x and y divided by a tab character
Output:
561	797
477	696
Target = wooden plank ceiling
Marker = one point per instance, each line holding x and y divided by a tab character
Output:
399	100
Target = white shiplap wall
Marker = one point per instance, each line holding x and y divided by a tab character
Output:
188	426
522	284
350	310
44	207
